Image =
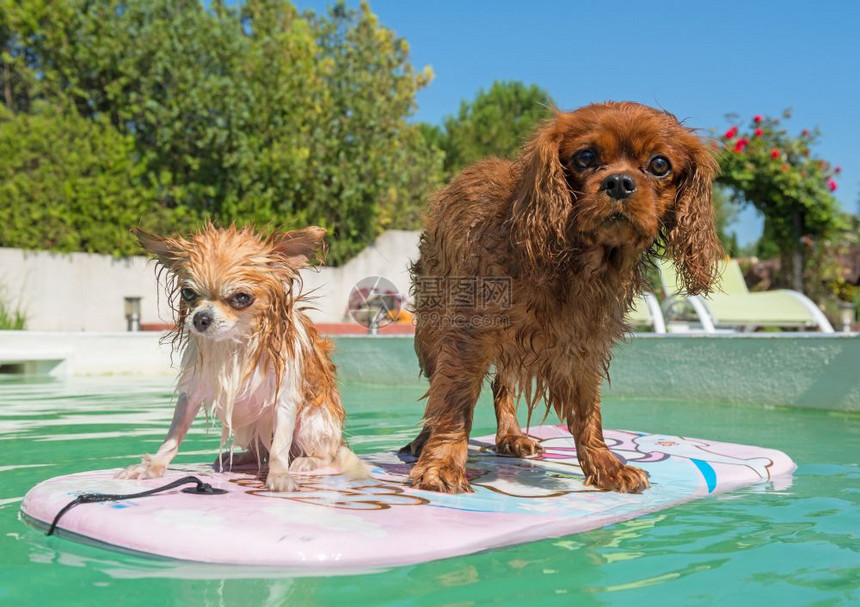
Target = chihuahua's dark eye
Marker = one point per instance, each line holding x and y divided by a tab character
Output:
188	295
240	300
659	166
584	159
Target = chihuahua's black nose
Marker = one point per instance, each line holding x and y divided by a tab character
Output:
619	186
202	320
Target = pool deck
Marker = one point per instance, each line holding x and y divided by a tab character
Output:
810	370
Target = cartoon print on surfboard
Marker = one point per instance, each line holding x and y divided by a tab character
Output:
692	449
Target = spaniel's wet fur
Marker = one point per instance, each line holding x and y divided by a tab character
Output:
566	228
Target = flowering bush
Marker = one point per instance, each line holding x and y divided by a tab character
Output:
766	166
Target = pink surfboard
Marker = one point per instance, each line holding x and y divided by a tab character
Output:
332	523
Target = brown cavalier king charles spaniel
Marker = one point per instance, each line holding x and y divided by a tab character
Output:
531	265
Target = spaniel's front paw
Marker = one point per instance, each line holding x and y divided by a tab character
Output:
444	476
603	471
627	479
517	445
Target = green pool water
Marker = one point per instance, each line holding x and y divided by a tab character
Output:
759	546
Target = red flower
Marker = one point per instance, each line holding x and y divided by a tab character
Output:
837	170
731	132
757	118
759	132
774	153
831	185
741	144
805	132
784	167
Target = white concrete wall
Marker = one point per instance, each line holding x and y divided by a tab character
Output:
84	292
77	291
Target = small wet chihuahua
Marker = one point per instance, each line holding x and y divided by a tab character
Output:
250	354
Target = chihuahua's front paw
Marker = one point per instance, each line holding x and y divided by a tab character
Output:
149	467
280	481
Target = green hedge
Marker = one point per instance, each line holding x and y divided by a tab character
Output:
70	184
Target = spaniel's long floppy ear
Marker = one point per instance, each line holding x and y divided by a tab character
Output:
542	199
170	252
300	246
691	237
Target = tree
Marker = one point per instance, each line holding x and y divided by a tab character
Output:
70	185
368	159
496	123
254	114
767	167
175	89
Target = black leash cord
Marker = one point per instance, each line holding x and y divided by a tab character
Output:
90	498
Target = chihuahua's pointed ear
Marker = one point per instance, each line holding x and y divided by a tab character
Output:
300	246
169	251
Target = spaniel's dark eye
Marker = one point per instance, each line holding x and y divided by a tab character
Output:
188	295
659	166
240	300
584	159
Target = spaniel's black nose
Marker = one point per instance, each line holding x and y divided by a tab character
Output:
619	186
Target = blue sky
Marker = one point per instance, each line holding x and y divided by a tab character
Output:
697	60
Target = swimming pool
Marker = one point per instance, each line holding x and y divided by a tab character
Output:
791	546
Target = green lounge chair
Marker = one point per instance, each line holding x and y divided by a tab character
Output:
734	307
646	312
